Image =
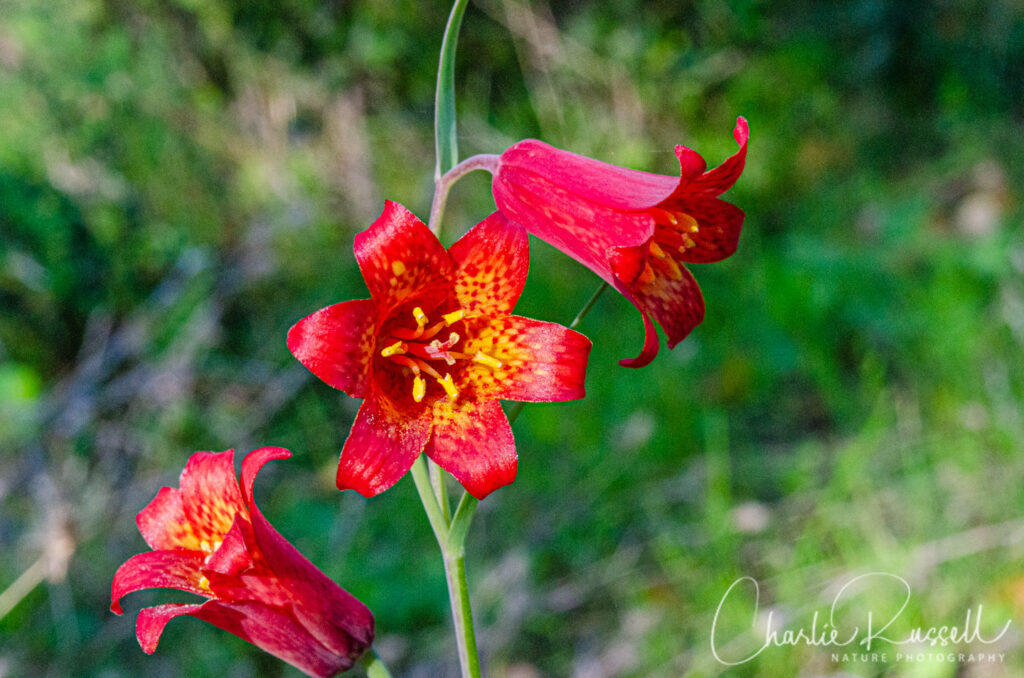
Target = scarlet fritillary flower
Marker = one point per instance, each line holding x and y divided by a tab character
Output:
634	229
434	349
209	538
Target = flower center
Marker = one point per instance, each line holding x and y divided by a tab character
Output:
416	348
673	235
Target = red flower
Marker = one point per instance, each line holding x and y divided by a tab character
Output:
209	538
634	229
433	350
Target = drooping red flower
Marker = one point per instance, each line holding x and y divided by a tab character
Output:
209	538
434	349
634	229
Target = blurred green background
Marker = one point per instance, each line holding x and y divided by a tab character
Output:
181	180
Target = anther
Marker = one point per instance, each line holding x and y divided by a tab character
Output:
657	251
664	216
647	275
394	349
204	583
449	386
454	316
421	317
668	267
419	388
483	359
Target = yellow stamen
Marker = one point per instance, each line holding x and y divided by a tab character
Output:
205	546
688	241
647	275
204	583
664	216
419	388
421	317
394	349
668	266
449	386
487	360
657	251
689	223
454	316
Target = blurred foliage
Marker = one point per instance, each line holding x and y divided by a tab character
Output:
181	180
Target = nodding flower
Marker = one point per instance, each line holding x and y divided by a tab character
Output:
635	230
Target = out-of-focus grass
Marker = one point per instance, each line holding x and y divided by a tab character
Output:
179	182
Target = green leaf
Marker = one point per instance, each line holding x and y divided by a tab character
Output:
446	141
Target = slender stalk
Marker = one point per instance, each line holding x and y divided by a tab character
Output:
444	183
587	306
440	489
453	555
459	527
458	593
372	664
450	530
437	520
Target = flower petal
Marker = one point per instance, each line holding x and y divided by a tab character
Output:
157	570
567	222
721	178
336	344
473	441
492	261
338	620
150	623
400	258
651	341
234	555
677	305
210	495
382	446
719	225
274	631
163	524
619	188
254	462
540	361
691	164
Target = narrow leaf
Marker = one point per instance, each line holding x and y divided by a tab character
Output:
446	142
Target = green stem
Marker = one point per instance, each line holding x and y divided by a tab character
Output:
458	593
440	489
484	161
451	537
438	523
589	305
450	530
372	664
459	527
